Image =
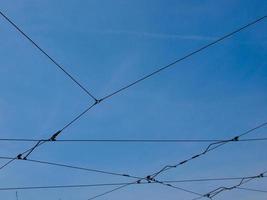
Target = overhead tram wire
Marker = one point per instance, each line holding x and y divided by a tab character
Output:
47	55
143	78
66	73
185	57
154	175
210	147
169	65
129	140
152	178
119	184
221	189
134	183
149	75
125	174
52	138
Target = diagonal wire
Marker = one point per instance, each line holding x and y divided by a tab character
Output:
113	190
109	173
52	138
74	167
46	54
184	57
60	186
209	148
139	80
19	156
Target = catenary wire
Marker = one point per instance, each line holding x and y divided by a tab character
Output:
209	148
167	167
163	68
52	138
221	189
130	140
139	80
169	65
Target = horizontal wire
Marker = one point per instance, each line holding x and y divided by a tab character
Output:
252	189
60	186
52	138
124	88
129	140
168	66
118	174
209	148
157	71
118	184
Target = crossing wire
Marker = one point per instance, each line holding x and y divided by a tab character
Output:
168	66
97	101
210	147
131	84
52	138
119	184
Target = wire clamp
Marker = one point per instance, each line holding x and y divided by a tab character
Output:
150	179
19	157
97	101
54	136
235	139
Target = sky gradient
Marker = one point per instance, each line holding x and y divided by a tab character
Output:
217	93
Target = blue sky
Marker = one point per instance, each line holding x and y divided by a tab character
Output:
218	93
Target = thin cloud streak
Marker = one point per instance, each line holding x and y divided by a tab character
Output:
156	35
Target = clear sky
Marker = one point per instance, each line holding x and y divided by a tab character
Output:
218	93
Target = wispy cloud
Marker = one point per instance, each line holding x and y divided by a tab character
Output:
156	35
